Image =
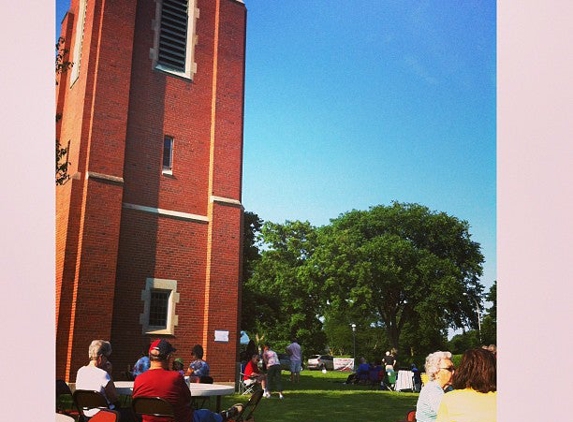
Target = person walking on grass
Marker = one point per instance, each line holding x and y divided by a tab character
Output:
273	364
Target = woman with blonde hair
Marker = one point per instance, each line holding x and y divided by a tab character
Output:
474	398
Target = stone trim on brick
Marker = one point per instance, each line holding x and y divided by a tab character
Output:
167	213
109	178
223	200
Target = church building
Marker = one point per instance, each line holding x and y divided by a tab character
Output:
149	225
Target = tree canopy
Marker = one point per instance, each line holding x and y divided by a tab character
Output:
403	273
400	264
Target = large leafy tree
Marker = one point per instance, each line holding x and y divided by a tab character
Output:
289	301
253	304
400	264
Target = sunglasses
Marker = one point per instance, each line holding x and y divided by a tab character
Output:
449	368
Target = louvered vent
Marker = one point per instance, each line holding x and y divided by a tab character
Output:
173	34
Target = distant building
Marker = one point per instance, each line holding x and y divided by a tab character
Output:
148	229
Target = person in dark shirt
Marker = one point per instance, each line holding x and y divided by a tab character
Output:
416	378
389	361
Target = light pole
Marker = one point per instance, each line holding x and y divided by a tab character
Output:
354	341
478	311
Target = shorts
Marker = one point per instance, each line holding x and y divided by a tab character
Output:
295	366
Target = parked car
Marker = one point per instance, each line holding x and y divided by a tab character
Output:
285	361
321	362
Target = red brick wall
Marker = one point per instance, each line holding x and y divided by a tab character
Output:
115	116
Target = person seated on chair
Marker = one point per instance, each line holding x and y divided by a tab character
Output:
160	381
198	367
178	366
363	370
374	373
96	376
252	374
439	368
359	375
140	366
475	391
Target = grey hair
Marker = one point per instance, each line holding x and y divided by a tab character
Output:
433	363
98	348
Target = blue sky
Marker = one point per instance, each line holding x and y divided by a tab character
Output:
359	103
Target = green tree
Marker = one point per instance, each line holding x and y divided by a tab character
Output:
370	339
400	264
289	302
462	342
489	322
252	225
254	304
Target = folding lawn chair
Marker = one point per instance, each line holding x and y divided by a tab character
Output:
389	381
246	387
86	400
374	376
106	415
152	406
246	415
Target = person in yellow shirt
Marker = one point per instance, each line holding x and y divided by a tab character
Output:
474	398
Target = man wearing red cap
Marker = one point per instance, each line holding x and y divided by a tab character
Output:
159	381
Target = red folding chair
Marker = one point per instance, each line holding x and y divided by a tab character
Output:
106	415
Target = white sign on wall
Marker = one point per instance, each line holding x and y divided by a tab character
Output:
222	336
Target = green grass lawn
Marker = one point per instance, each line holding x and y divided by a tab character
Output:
324	398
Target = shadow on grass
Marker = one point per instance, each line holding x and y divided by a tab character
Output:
324	398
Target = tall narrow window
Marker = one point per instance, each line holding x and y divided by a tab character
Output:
158	307
174	43
168	155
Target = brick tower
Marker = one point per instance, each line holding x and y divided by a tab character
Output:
148	229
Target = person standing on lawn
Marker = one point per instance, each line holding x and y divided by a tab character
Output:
295	353
389	361
273	364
